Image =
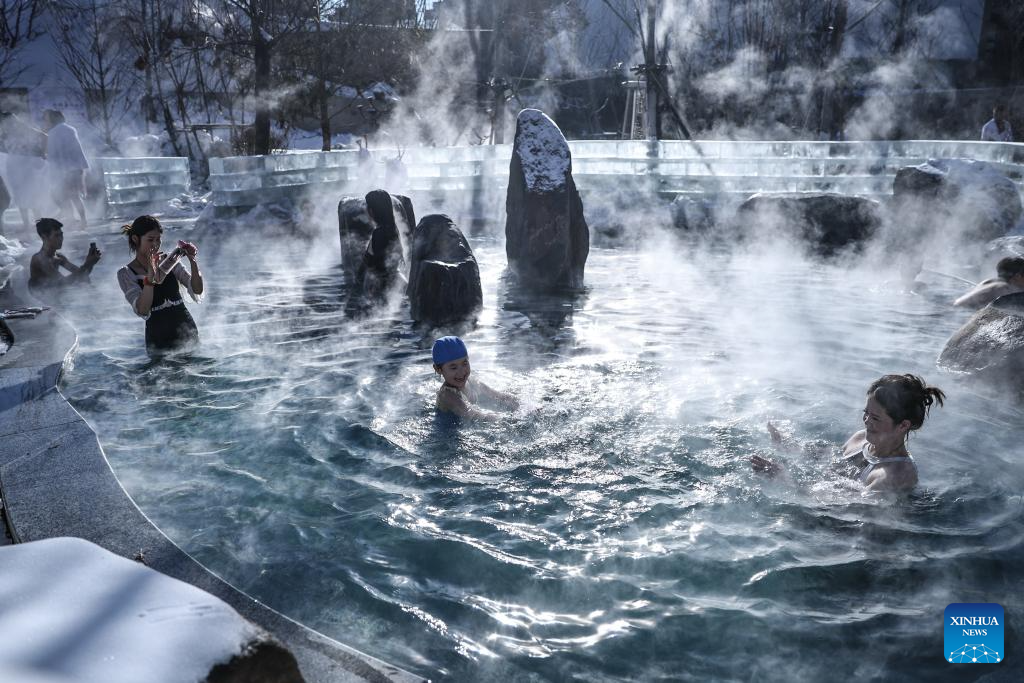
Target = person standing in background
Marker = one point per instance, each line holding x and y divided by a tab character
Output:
25	146
67	163
998	128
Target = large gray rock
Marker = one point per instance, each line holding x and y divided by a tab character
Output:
970	197
405	217
827	222
990	345
546	236
355	228
444	278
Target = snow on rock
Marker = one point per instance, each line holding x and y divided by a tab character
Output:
382	89
543	151
979	182
972	197
186	205
10	250
145	145
547	239
72	609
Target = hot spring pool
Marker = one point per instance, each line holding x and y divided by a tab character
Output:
613	529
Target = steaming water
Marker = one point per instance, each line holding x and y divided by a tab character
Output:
611	530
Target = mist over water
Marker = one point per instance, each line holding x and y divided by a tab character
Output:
610	530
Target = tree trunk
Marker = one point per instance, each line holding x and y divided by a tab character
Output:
169	126
321	86
651	58
325	119
261	49
149	102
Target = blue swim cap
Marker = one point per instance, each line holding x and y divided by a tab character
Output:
447	349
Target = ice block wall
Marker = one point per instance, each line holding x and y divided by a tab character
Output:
134	185
669	167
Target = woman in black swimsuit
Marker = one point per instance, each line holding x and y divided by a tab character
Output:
877	455
156	296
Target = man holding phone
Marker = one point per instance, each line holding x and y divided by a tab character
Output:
44	271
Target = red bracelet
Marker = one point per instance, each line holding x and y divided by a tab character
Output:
146	282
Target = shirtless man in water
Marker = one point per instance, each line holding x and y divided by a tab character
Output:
1009	280
44	270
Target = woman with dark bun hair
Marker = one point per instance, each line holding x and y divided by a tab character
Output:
877	455
151	290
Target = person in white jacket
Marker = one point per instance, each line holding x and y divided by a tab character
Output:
998	128
67	163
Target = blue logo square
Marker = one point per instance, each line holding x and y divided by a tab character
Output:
973	633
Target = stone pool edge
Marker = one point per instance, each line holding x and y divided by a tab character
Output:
55	481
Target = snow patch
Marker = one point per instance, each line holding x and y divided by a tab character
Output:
74	609
186	205
969	173
10	250
543	152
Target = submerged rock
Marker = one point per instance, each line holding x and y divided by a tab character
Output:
826	221
991	344
971	197
444	278
546	236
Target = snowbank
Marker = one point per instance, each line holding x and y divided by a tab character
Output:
10	250
74	609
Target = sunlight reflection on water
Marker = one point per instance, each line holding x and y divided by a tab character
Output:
610	530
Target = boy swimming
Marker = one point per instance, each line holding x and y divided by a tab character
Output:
460	396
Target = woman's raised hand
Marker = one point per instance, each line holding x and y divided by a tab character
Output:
191	250
155	276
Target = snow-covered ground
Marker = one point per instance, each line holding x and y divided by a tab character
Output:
10	251
74	611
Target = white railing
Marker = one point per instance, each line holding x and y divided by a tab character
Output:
132	184
667	167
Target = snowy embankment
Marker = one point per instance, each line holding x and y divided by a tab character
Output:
76	612
10	251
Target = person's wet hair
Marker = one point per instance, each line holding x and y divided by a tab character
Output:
1010	267
905	397
139	227
46	226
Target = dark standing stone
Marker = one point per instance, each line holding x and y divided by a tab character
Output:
990	345
444	279
354	230
405	216
546	236
971	197
825	221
